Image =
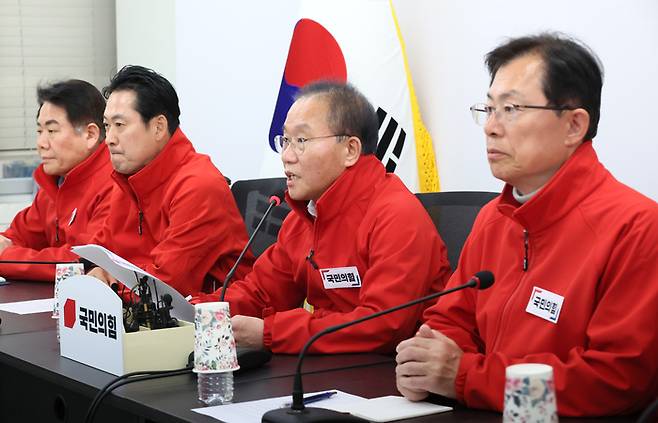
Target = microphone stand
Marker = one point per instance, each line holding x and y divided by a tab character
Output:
36	262
249	358
274	201
297	412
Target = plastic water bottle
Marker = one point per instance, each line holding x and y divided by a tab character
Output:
215	388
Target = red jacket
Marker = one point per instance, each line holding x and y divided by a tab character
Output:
589	239
177	219
59	217
367	219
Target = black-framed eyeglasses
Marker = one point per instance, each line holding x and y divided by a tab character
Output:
299	143
508	112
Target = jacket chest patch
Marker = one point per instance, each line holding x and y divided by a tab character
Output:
545	304
341	277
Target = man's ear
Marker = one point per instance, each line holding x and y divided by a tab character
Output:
161	128
92	136
353	148
578	124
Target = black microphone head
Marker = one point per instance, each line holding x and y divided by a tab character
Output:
484	279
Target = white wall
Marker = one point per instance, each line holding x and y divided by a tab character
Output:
446	41
146	35
229	66
229	58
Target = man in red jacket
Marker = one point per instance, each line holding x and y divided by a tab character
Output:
172	212
73	178
572	249
357	241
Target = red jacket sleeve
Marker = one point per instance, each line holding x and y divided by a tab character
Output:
461	325
30	243
404	262
36	272
255	296
27	227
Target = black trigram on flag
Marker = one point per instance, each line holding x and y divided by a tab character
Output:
389	134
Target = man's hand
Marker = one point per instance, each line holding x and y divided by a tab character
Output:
248	331
103	276
427	363
4	243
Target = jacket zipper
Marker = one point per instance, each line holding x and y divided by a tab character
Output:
141	218
309	258
57	229
140	213
526	261
525	250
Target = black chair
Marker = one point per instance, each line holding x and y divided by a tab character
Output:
252	197
453	214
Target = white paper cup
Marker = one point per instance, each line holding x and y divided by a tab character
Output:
214	345
529	394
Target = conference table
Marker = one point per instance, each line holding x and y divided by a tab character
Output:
38	385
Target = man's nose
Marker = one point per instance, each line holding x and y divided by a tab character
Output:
110	138
288	155
42	140
493	127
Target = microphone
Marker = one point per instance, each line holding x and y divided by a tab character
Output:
87	264
274	201
298	413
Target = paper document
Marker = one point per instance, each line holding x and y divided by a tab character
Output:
391	408
252	411
383	409
29	307
129	275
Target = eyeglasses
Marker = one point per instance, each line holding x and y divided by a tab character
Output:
508	112
299	144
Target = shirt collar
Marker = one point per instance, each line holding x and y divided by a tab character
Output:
523	198
312	210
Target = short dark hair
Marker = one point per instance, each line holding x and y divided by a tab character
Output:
573	74
350	112
154	95
82	102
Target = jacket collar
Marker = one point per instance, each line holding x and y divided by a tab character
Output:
84	170
159	169
353	184
581	174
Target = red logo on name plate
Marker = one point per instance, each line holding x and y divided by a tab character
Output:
69	313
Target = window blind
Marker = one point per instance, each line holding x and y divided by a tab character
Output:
44	41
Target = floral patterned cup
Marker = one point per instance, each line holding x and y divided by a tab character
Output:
63	271
529	394
214	345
